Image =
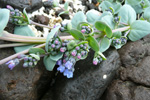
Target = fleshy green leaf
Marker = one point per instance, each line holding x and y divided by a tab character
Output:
36	50
50	36
64	12
93	43
4	18
57	57
24	31
108	19
133	2
127	14
92	16
105	44
117	34
101	26
49	63
71	45
146	14
139	29
35	56
66	5
105	5
103	57
26	16
78	17
77	34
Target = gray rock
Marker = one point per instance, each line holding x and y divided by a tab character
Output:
138	74
22	83
30	5
88	82
133	52
120	90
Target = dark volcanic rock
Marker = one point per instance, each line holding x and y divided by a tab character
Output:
133	52
120	90
135	71
139	74
42	19
88	82
22	83
63	16
30	5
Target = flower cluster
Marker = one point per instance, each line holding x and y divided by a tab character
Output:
119	41
29	61
15	15
98	59
64	46
66	65
54	45
86	29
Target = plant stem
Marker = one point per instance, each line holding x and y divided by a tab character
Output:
41	25
42	45
21	40
123	23
127	33
17	54
6	34
121	29
12	45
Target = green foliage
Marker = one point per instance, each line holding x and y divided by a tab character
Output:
146	14
51	35
106	5
49	63
4	18
92	17
93	43
139	29
71	45
66	5
26	16
101	26
104	44
127	14
77	34
78	17
36	50
133	2
56	57
24	31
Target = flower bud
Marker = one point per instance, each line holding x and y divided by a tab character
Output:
12	13
79	56
83	30
95	61
25	64
77	48
73	53
62	49
53	45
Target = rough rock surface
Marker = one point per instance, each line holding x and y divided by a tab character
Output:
30	5
22	83
120	90
88	82
134	77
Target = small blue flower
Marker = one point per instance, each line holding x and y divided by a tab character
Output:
59	62
61	68
68	65
68	73
11	66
